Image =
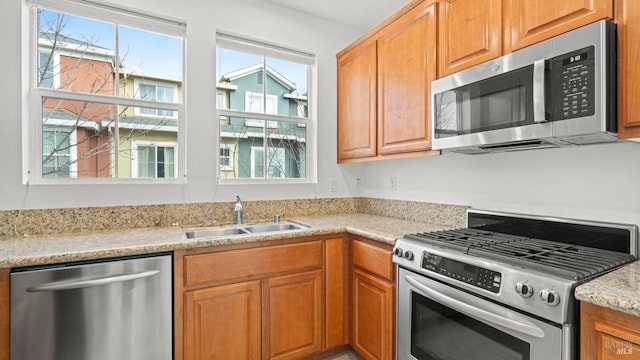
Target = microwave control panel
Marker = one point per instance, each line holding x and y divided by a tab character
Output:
470	274
574	84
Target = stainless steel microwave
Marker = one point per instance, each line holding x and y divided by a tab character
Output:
558	92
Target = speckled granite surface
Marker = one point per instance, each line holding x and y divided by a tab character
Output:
24	223
38	250
618	290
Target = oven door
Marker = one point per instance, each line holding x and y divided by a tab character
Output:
437	322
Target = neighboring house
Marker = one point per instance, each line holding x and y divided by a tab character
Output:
78	135
242	140
71	131
149	135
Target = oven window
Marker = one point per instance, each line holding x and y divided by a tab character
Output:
440	333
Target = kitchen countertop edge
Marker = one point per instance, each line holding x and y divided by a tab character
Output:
618	290
44	250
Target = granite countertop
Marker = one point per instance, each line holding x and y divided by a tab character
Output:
40	250
618	290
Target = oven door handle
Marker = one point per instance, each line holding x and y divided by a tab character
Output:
475	312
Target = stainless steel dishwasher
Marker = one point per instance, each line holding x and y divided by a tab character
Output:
108	310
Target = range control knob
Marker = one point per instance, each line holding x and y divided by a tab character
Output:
550	297
398	252
524	289
408	255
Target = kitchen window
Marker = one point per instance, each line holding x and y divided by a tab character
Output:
265	111
103	80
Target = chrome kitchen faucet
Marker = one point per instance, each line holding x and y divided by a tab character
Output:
238	210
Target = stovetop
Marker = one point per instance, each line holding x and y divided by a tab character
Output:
567	261
529	263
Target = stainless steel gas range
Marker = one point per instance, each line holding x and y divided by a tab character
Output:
502	288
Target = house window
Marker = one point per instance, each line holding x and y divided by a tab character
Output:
226	157
45	77
59	163
90	79
155	161
157	92
275	163
265	114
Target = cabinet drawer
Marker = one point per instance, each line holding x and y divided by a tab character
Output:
374	259
251	263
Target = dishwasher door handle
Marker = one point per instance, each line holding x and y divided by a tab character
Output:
69	285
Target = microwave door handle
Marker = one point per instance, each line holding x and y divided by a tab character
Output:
538	92
496	319
70	285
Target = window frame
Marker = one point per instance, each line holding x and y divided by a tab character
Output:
33	111
266	49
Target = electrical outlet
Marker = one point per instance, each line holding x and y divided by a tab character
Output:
358	185
334	185
393	183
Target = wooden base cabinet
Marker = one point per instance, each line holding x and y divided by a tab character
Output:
223	322
607	334
372	300
5	311
264	302
292	316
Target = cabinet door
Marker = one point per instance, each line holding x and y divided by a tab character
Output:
292	315
223	322
528	22
628	19
373	316
606	334
357	102
615	342
406	66
470	32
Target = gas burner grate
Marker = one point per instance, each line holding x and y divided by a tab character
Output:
564	260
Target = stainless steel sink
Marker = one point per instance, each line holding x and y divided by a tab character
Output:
262	228
214	232
239	230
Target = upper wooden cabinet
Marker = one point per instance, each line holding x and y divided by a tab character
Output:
406	67
470	32
475	31
383	87
528	22
357	102
628	20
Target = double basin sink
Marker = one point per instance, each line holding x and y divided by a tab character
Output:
237	230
